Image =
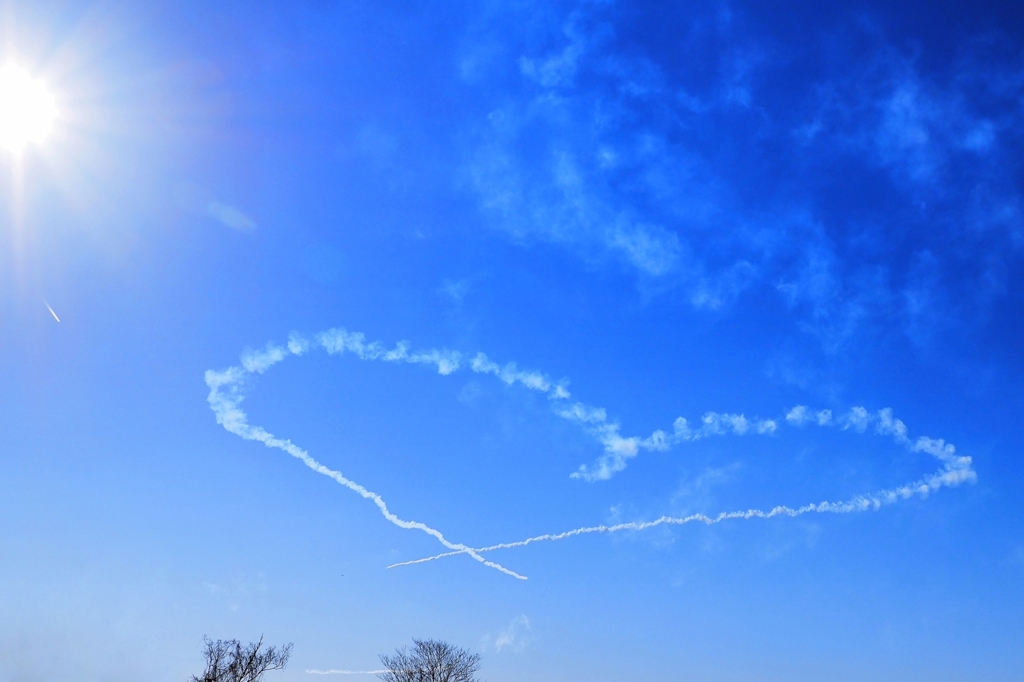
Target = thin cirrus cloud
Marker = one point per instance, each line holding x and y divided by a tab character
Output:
602	143
516	636
197	200
313	671
227	391
229	216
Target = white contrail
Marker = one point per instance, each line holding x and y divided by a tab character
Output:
618	449
225	397
954	471
227	393
346	672
51	311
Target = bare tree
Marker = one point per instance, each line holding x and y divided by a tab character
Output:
430	661
229	661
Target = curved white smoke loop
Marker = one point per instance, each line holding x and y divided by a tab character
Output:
227	394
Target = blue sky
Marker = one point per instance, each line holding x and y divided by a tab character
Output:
797	227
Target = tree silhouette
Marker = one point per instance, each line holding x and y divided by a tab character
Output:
430	661
229	661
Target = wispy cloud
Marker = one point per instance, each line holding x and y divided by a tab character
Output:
698	489
515	637
239	589
229	216
921	128
198	200
606	145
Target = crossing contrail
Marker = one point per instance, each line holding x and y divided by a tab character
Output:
955	470
225	398
227	391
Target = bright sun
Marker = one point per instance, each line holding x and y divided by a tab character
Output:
27	109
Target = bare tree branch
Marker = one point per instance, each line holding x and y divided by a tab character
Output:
430	661
229	661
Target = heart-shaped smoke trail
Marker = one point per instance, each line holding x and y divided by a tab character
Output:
227	393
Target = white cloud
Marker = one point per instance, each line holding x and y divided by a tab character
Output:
515	637
455	290
229	216
602	146
698	490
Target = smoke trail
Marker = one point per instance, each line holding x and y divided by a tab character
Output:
225	397
618	449
954	471
227	393
346	672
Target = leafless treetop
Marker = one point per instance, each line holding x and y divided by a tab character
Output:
431	661
229	661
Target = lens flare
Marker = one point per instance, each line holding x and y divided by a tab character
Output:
27	109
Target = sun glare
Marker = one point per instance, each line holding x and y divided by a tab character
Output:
27	109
